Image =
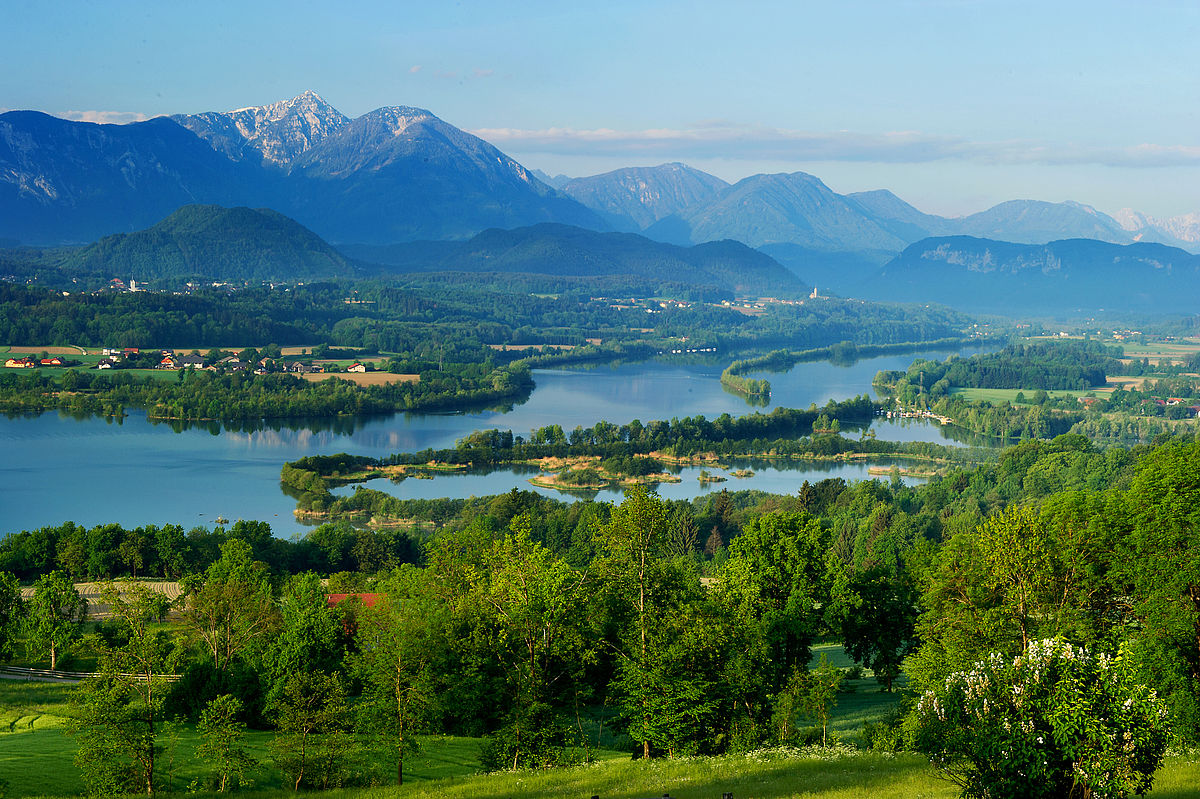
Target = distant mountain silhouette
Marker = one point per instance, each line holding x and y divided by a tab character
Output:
564	250
1075	274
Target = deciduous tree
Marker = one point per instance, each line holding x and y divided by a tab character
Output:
56	612
222	733
402	649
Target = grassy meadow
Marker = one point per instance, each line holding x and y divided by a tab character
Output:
1009	395
36	758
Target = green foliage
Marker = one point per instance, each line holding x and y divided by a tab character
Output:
817	693
310	634
12	614
115	742
1054	721
1160	560
774	585
1021	576
54	616
313	720
402	653
537	608
139	665
874	612
222	747
233	608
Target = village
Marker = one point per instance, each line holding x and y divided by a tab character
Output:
169	360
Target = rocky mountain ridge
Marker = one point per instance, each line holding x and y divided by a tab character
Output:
395	174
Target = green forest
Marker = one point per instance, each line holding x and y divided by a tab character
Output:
680	628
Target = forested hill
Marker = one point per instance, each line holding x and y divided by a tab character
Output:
210	242
565	250
999	276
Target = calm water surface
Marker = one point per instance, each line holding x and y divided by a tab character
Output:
55	468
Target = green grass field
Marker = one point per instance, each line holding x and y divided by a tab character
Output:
1010	394
36	759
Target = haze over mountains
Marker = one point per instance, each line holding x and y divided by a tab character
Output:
203	243
394	174
799	209
568	251
400	174
1074	274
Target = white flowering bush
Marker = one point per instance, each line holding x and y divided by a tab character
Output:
1055	721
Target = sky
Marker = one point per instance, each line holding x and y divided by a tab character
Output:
954	105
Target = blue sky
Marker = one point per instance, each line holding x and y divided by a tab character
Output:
953	104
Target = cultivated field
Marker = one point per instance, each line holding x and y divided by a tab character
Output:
1010	394
91	592
364	378
40	350
1162	351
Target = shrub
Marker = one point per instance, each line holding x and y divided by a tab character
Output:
1054	721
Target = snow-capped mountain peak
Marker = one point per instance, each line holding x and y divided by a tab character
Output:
278	132
1184	228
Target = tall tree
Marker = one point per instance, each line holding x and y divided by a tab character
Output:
56	612
222	732
112	737
310	636
775	585
142	664
233	608
634	575
875	611
1161	563
313	719
536	601
402	648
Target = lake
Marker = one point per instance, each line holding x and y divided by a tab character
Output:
57	468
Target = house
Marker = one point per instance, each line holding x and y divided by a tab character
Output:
357	367
53	360
169	362
108	351
106	363
21	363
130	351
192	361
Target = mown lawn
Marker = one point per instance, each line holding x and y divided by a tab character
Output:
36	759
1010	394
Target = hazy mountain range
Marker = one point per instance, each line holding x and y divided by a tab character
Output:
212	243
568	251
799	209
401	174
393	174
1070	275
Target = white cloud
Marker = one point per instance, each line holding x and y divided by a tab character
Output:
105	117
483	73
414	69
735	141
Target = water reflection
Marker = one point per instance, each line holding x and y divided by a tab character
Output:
57	467
770	475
